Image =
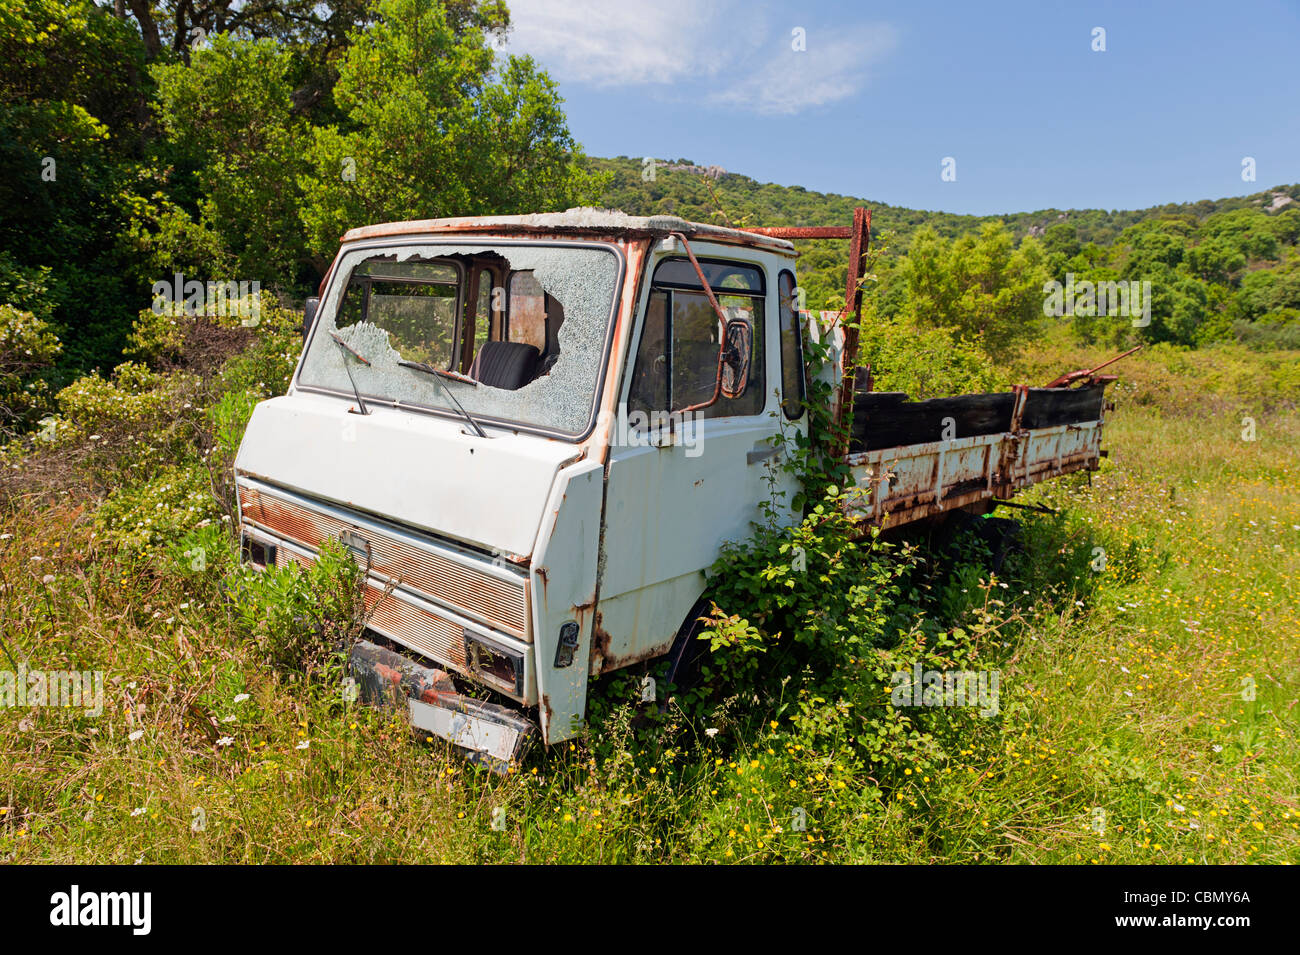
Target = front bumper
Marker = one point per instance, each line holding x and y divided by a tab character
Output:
496	736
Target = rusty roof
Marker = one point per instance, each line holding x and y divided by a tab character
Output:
586	222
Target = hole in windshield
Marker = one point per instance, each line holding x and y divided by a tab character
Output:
414	302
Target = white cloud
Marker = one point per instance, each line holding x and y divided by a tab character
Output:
724	53
604	44
834	66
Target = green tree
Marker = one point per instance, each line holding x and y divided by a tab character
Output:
170	28
1062	237
982	286
1144	247
1180	303
70	148
229	115
1215	260
1286	225
437	126
1248	231
1269	290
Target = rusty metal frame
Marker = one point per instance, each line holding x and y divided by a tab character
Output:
1005	469
1089	375
859	236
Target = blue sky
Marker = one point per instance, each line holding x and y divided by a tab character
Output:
884	92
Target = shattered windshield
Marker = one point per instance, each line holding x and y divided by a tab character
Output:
517	331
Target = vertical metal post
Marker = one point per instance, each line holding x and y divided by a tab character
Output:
860	239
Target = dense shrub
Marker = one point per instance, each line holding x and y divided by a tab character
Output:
302	619
924	362
142	520
28	347
129	424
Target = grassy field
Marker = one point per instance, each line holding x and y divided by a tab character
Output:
1147	636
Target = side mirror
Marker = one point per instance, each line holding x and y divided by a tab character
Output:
308	315
733	365
735	358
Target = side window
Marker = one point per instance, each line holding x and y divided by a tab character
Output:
650	374
792	370
677	358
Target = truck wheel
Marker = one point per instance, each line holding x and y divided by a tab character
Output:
688	651
1000	534
1003	536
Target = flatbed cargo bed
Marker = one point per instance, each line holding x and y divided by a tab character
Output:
917	459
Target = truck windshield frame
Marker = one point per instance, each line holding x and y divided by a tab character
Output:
560	400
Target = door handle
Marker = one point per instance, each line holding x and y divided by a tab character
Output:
761	452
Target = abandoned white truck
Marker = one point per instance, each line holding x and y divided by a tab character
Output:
535	433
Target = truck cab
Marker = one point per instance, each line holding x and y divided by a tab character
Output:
534	433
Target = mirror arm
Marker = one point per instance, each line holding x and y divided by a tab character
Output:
717	380
704	282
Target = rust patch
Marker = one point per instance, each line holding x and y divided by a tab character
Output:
617	663
804	231
556	226
600	638
463	586
414	627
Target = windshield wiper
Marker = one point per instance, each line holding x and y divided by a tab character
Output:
349	350
438	376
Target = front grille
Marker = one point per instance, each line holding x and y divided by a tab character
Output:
415	627
497	603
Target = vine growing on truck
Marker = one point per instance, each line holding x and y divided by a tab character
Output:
810	622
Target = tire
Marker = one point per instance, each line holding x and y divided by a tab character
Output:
1000	534
688	652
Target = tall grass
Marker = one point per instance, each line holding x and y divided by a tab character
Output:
1148	707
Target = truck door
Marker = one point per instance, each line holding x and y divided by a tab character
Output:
680	484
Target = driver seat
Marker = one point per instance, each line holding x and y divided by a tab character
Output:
508	365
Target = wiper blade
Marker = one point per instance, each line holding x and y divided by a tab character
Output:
438	376
349	350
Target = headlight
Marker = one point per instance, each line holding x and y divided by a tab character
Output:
496	666
257	553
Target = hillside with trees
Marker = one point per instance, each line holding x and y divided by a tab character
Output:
237	142
1222	269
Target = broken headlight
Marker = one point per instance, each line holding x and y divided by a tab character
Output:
496	666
